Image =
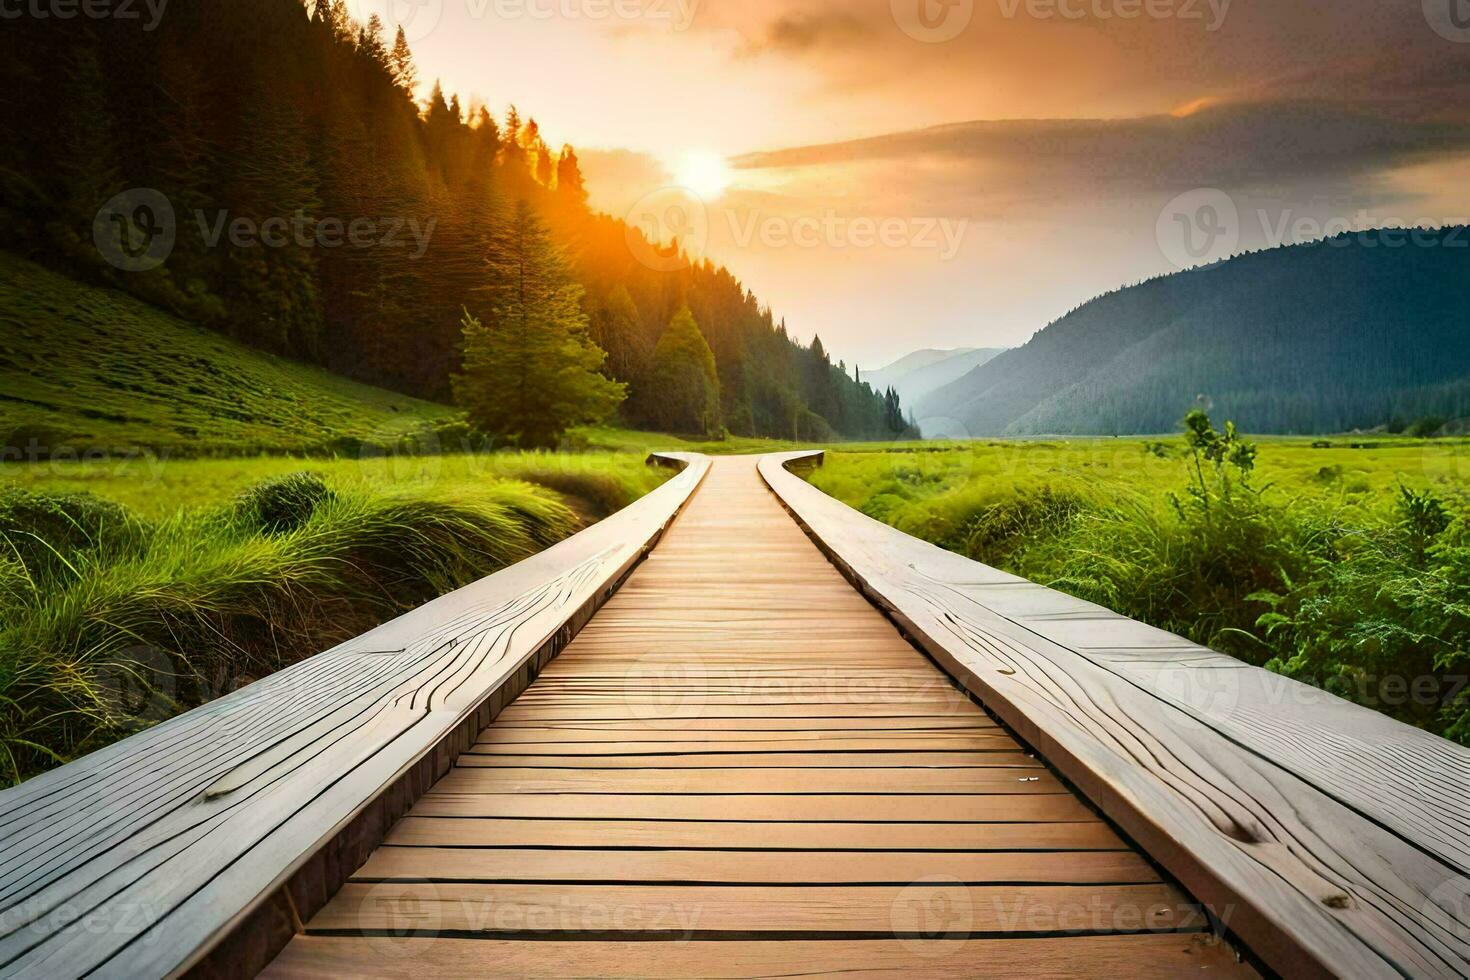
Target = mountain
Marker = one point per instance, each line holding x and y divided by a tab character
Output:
1347	333
917	375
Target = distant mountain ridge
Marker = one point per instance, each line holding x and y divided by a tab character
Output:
1329	336
915	376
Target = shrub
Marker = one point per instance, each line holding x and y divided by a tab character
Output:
282	504
45	534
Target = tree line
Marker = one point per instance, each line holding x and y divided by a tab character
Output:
290	110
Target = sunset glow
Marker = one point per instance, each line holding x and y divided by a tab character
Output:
1010	121
705	173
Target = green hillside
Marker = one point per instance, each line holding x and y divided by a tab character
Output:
84	368
1348	334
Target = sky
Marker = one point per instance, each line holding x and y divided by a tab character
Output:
900	174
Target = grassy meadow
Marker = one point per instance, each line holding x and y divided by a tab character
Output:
133	377
134	588
1343	562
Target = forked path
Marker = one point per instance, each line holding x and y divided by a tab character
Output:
739	768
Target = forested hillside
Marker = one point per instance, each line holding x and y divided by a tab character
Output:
1356	332
286	115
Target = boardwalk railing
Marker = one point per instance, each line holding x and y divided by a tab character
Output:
204	842
1333	839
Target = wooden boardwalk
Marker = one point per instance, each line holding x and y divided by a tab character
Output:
740	768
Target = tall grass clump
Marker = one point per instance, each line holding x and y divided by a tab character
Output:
1364	594
112	624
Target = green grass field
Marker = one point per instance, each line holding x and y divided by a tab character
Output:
88	369
128	594
1342	562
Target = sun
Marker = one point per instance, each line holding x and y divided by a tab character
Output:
705	173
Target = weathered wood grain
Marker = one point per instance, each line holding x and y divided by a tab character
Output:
1338	836
137	859
876	911
756	807
1143	957
469	830
811	867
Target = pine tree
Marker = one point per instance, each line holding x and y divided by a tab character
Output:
370	43
488	133
570	186
893	419
533	372
618	329
684	380
436	110
400	61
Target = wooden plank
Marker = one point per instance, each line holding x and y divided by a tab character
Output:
157	846
598	743
764	712
445	801
758	723
897	762
1139	957
754	867
1336	835
427	829
688	910
748	782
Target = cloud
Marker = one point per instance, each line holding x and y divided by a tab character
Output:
1240	146
801	33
